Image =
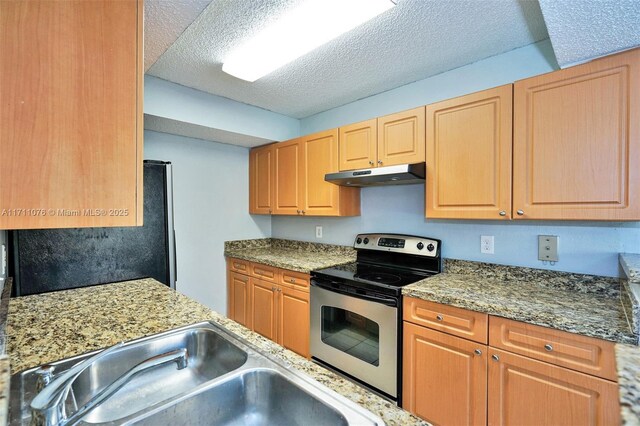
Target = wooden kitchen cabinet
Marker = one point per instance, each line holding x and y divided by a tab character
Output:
469	142
288	177
321	198
444	377
523	391
384	141
401	137
576	152
264	309
271	301
71	83
261	177
239	298
359	145
294	320
299	186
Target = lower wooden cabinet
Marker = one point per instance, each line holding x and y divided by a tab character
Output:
270	301
445	377
449	380
239	298
523	391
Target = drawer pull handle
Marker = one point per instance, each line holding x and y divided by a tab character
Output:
477	352
439	317
293	280
548	347
495	357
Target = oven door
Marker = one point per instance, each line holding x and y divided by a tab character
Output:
355	335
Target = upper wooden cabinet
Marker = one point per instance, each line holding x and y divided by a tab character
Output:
287	178
71	135
359	145
469	156
261	175
577	142
321	198
401	137
386	141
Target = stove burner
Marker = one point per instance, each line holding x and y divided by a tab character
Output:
380	277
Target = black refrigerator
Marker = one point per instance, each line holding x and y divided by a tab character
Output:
59	259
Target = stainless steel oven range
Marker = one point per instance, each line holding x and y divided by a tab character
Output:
356	309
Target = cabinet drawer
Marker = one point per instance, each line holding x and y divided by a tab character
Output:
296	280
580	353
264	272
456	321
237	265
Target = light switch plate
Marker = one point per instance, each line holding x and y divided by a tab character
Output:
548	248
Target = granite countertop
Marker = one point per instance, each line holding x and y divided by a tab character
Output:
48	327
288	254
581	304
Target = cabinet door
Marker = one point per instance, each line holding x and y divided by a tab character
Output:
264	308
577	142
288	177
401	138
525	392
294	320
469	156
359	145
444	379
71	135
261	180
321	198
239	298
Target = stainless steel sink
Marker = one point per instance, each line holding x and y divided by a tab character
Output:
226	381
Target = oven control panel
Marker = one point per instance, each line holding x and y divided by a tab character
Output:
408	244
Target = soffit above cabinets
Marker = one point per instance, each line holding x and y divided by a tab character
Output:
412	41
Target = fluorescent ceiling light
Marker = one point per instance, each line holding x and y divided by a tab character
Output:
306	27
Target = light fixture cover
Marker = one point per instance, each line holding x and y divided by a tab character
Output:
298	32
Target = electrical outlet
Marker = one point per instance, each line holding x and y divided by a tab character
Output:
548	248
318	231
486	244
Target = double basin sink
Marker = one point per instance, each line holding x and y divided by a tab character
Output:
226	381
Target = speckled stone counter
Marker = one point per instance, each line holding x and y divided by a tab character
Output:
52	326
582	304
628	361
297	256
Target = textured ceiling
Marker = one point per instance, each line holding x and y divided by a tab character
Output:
164	21
584	29
412	41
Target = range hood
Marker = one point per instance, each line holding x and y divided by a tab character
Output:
403	174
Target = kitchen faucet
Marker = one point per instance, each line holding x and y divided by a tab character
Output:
48	407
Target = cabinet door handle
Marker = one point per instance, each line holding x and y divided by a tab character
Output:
503	213
439	317
299	211
380	162
520	212
370	163
273	289
269	211
495	357
477	352
548	347
303	212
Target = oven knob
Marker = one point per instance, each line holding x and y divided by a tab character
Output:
359	240
420	246
430	247
366	240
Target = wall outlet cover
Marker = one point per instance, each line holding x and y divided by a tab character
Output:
487	244
318	231
548	248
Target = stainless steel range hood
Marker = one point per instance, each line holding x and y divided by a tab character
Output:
403	174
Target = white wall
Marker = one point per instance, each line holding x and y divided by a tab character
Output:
211	205
584	247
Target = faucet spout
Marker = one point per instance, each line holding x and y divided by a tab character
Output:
48	407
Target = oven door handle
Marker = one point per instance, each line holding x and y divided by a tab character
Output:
388	301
